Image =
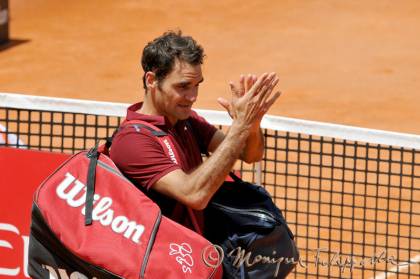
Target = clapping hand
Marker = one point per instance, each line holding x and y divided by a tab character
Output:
251	98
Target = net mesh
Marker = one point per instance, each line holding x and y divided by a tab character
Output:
55	131
354	207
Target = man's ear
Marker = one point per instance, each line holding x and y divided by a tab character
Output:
151	80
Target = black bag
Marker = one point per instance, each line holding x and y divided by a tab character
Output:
256	241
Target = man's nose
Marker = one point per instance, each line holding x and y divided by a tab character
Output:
192	95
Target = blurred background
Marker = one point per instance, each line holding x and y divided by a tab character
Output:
346	62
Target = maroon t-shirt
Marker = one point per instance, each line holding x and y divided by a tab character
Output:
139	155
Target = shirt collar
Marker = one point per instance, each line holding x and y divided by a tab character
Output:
157	120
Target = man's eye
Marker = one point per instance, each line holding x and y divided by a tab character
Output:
183	86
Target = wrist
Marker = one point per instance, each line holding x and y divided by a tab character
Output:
240	127
239	132
255	127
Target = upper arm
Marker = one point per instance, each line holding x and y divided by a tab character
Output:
216	140
178	186
173	185
140	157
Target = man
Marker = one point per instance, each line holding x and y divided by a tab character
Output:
9	139
172	75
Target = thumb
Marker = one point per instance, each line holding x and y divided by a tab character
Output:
224	103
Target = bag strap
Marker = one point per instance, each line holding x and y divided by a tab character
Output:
168	147
94	153
93	156
162	137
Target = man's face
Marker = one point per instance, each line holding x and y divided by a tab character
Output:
177	92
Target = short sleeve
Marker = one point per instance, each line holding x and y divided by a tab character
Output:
140	157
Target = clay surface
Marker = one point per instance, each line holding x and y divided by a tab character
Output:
346	62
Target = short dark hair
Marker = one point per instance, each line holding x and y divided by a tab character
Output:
159	55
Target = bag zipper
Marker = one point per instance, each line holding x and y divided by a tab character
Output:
150	245
256	212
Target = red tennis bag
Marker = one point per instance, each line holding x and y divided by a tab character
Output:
89	221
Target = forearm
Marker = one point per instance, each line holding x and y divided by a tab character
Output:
202	183
254	148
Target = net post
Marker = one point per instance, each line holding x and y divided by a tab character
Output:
4	21
258	173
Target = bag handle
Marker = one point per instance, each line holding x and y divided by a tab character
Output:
93	156
235	177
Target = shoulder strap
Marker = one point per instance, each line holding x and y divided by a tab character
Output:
162	137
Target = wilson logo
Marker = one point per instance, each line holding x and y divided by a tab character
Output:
74	193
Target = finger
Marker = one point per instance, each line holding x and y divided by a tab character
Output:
241	85
258	84
270	88
275	81
267	87
252	80
249	82
234	89
225	104
268	81
267	105
271	101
